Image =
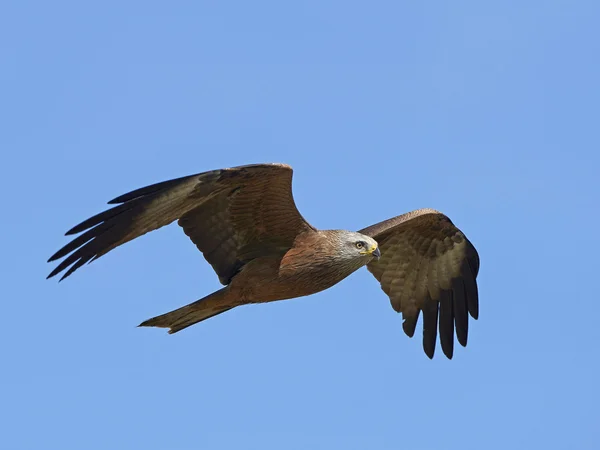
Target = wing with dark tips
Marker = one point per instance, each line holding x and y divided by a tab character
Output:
428	265
232	215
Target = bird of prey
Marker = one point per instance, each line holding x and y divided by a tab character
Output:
246	224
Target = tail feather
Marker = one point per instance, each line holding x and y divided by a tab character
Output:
205	308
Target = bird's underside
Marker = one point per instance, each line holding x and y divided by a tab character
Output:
246	224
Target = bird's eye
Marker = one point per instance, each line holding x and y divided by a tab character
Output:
360	245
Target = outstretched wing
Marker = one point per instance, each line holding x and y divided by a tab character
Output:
232	215
428	265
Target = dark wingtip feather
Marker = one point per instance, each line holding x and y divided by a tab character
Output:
132	195
461	314
448	350
474	262
410	322
471	291
446	323
50	276
56	272
430	325
64	276
429	347
79	241
80	227
101	217
53	273
73	268
108	229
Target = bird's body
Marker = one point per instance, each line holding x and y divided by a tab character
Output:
245	222
305	269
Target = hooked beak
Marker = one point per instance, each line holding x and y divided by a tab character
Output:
376	253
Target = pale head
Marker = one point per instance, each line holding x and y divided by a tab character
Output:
355	246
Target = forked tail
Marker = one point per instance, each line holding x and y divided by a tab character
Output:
205	308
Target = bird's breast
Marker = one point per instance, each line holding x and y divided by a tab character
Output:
269	279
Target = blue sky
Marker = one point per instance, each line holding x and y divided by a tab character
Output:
487	111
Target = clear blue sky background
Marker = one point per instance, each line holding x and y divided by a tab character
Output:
488	111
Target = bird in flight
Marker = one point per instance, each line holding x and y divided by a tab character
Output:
246	224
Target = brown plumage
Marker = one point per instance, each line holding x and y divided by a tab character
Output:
245	222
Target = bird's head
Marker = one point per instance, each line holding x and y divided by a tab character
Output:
358	246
